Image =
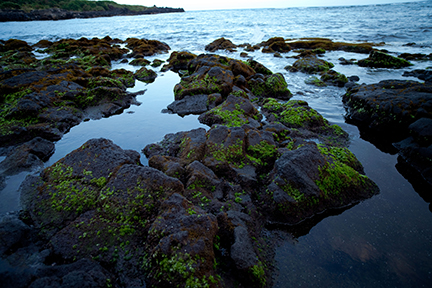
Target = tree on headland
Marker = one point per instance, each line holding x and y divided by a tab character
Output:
69	5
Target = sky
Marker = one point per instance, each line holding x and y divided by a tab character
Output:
190	5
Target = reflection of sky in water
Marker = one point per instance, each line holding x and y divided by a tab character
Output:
137	126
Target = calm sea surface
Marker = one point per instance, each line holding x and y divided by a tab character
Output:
385	241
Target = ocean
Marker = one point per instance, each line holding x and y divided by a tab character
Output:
385	241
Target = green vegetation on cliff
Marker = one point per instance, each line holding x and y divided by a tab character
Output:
70	5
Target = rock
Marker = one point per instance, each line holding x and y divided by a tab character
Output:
386	109
205	80
27	156
273	86
221	44
13	232
334	78
313	80
310	64
139	62
344	61
195	104
395	111
144	47
181	244
178	61
275	44
235	111
353	78
422	74
379	59
145	75
311	176
259	68
329	45
297	114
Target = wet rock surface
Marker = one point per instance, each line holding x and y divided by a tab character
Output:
399	112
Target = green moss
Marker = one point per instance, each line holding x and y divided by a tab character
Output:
7	104
379	59
104	81
315	81
258	274
337	178
234	118
195	86
274	86
293	192
232	154
262	153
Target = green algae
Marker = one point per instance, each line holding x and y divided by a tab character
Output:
262	153
235	118
232	154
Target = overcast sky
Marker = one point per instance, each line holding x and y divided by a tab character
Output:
189	5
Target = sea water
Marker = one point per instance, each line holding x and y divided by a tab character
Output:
385	241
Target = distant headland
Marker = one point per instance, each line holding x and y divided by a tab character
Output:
29	10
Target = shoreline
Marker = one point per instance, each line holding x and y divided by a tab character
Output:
8	15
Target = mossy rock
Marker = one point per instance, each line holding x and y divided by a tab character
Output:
315	81
221	44
313	178
178	61
235	111
297	114
140	62
145	75
273	86
144	47
334	78
379	59
311	64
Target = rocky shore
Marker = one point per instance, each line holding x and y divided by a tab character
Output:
60	14
199	213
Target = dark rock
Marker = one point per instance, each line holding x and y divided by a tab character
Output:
182	234
13	232
344	61
275	44
27	156
178	61
425	75
311	64
273	86
140	62
389	112
259	68
221	44
195	104
311	177
313	80
354	78
145	75
334	78
379	59
235	111
387	108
